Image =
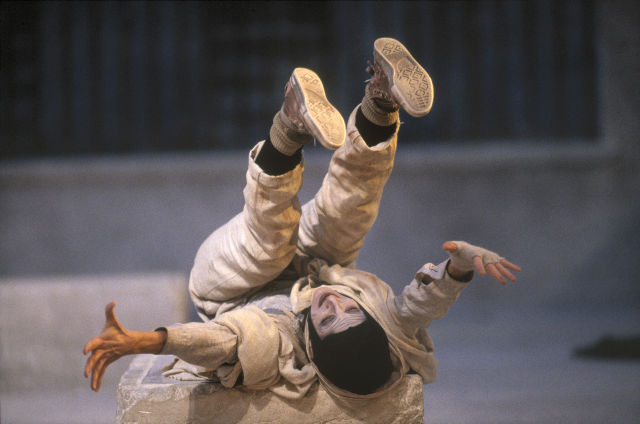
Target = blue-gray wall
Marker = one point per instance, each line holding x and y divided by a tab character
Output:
125	77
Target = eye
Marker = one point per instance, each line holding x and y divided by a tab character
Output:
328	320
353	309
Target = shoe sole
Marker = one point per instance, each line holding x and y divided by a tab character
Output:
320	117
411	85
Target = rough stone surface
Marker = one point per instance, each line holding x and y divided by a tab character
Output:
144	396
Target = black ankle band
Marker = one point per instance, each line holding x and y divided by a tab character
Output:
272	162
371	133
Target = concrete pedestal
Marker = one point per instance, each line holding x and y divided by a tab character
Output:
145	396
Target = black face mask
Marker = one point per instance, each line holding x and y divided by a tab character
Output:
357	359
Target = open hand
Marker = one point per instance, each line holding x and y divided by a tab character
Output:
111	344
466	257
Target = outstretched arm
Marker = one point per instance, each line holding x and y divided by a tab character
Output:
114	342
435	288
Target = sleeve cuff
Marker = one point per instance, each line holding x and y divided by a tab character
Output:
430	272
467	277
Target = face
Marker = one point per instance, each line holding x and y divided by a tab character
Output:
332	312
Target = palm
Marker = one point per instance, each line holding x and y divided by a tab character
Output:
111	344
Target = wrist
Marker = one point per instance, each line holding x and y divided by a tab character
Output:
149	341
459	274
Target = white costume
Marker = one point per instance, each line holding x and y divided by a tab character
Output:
253	278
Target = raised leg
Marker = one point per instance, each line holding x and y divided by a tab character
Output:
256	245
335	222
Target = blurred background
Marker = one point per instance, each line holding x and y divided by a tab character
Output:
84	78
124	132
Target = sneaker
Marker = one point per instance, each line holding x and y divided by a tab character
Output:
398	79
308	110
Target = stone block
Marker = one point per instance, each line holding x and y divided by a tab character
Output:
145	396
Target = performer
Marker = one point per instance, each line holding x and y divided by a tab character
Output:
282	303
